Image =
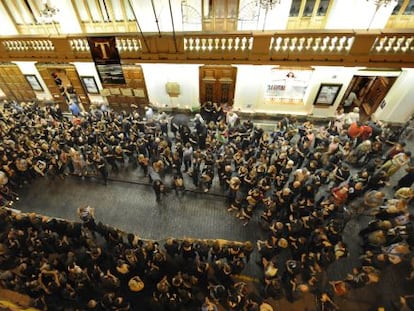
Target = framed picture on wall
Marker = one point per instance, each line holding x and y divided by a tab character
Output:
327	94
34	83
89	84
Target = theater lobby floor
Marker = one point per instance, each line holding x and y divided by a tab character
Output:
128	203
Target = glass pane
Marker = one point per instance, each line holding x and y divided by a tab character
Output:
294	9
310	4
129	13
104	10
323	7
397	7
96	17
409	10
232	8
220	9
24	12
82	10
209	92
116	7
225	89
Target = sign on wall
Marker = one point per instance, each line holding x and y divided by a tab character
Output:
106	58
287	84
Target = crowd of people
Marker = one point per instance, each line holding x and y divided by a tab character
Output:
302	180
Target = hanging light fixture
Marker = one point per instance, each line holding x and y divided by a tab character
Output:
48	12
380	3
267	4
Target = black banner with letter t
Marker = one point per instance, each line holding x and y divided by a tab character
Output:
106	58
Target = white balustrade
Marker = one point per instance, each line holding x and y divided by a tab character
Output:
207	45
330	44
26	45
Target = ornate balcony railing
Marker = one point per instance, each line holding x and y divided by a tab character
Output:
346	48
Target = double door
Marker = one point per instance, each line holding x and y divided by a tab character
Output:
217	84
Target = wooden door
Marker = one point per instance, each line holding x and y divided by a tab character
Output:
134	92
375	94
14	85
220	15
70	80
217	84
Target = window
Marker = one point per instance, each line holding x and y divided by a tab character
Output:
295	7
409	10
14	12
83	14
310	4
323	7
397	7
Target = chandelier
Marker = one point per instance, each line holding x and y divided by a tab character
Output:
48	12
267	4
380	3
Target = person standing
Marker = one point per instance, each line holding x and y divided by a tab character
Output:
407	180
74	109
397	161
87	215
187	156
101	167
159	188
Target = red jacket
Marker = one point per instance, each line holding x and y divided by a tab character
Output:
354	130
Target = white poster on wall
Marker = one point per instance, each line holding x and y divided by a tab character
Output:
287	84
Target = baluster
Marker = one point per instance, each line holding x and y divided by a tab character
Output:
325	43
230	43
78	45
190	44
34	45
203	44
302	41
197	44
237	43
223	44
251	43
119	44
349	43
138	44
398	43
217	43
82	45
409	44
272	44
387	44
340	44
243	43
285	43
316	44
276	43
332	46
309	42
293	42
210	44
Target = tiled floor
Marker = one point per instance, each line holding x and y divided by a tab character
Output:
128	202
